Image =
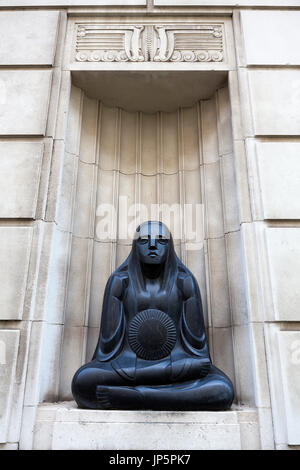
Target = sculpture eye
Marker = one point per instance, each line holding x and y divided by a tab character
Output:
143	240
163	241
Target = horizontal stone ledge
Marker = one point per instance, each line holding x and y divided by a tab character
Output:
68	411
66	3
223	3
151	66
64	426
157	3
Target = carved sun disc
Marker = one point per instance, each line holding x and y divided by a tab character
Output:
152	334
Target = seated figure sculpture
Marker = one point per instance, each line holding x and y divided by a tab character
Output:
152	351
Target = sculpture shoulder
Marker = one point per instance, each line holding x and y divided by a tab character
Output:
117	283
187	284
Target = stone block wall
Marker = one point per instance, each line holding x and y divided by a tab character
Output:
30	83
268	68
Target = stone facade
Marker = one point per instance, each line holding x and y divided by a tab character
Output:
81	124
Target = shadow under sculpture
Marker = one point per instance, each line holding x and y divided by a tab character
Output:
152	351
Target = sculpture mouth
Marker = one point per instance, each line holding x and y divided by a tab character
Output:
152	255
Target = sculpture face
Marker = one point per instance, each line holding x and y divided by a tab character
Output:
153	243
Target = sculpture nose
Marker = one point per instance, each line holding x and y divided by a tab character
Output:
152	242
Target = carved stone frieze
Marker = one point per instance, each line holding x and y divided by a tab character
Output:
201	43
157	43
97	43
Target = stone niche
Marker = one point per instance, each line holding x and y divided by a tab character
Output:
150	120
129	136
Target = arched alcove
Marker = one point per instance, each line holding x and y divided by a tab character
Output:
166	150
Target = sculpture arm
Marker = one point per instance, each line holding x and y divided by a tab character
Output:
192	329
192	361
112	329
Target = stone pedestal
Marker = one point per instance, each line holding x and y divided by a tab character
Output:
62	426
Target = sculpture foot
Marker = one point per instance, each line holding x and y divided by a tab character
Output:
126	398
103	398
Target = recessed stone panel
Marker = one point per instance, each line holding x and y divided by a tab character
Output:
279	171
284	260
275	101
224	121
219	294
28	37
9	342
289	345
20	165
270	37
58	273
213	201
49	376
15	244
24	97
223	352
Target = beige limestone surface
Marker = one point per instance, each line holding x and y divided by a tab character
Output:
174	3
24	99
289	342
275	101
270	37
63	426
70	3
9	343
279	173
196	154
28	38
236	3
284	258
20	169
15	250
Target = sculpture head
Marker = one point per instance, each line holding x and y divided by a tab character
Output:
152	251
152	242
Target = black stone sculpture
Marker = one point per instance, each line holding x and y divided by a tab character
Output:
152	351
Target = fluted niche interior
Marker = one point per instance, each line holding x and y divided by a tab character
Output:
178	157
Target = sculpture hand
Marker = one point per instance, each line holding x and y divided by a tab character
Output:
186	367
204	366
